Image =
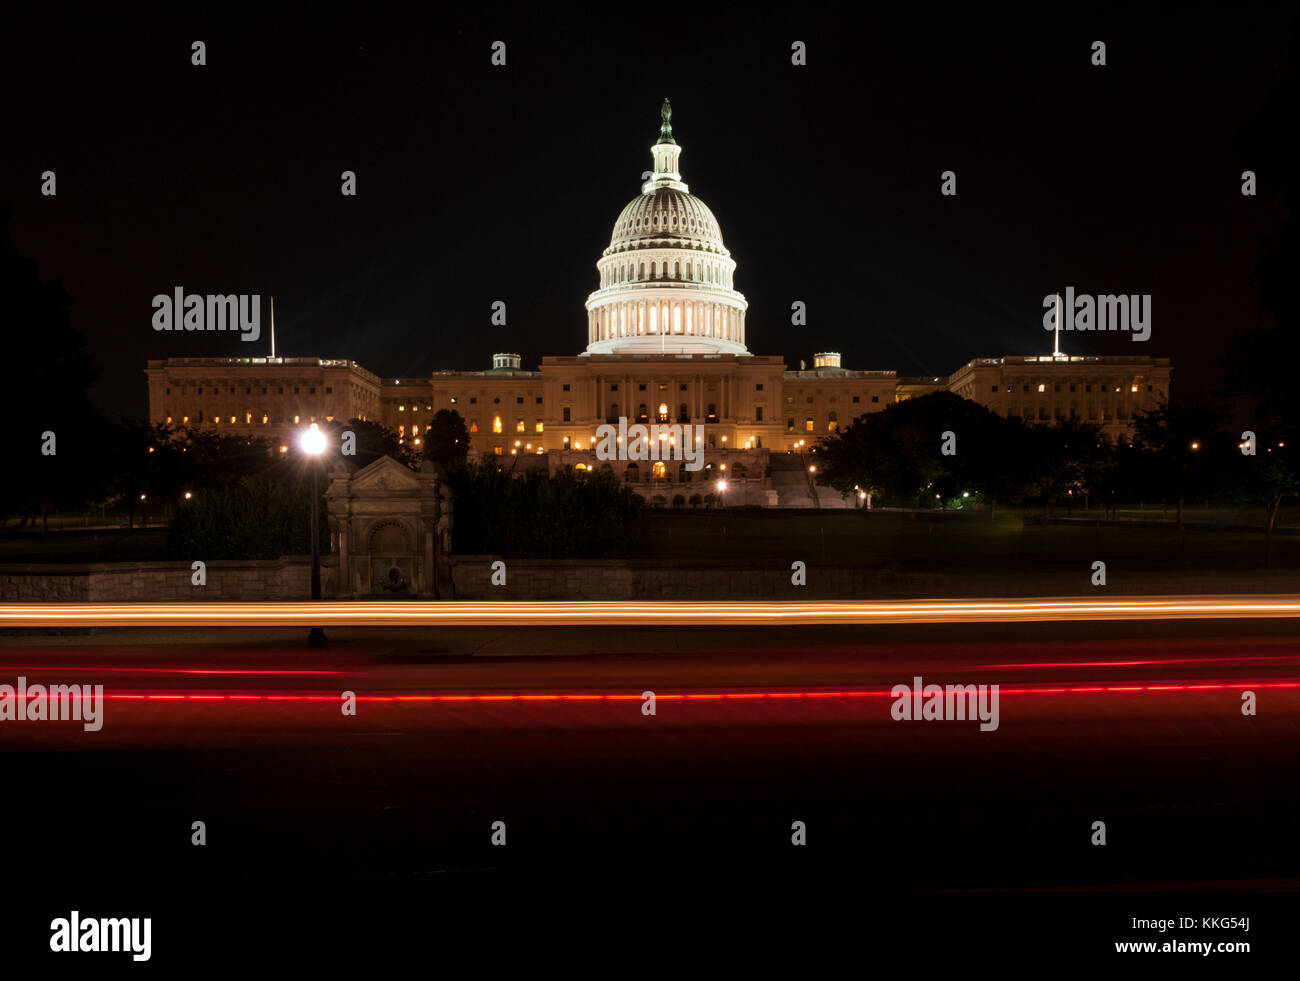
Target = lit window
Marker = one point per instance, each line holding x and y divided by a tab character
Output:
496	428
1133	388
473	425
808	424
415	431
519	426
538	427
295	419
401	430
497	450
264	418
169	420
1042	388
453	400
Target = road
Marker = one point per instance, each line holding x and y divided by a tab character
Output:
1135	724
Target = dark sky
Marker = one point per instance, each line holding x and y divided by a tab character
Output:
478	183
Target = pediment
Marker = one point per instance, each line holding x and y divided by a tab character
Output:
385	474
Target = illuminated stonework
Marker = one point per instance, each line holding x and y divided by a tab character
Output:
666	278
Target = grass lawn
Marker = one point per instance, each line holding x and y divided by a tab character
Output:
955	542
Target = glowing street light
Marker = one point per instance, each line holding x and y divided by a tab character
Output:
312	444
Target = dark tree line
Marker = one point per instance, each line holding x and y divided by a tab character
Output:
941	448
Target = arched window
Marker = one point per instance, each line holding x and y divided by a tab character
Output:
641	414
663	411
712	414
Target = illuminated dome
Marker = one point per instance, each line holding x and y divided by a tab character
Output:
666	278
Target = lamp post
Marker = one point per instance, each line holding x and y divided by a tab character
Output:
312	442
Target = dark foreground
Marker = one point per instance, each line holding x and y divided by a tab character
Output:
918	830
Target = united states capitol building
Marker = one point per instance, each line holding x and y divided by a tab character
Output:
666	344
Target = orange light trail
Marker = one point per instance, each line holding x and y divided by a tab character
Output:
644	613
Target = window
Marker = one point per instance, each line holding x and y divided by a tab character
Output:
473	425
311	391
519	400
566	414
497	450
614	387
789	400
519	425
496	401
169	391
875	398
453	400
537	427
809	400
566	386
663	388
263	391
642	388
808	424
758	387
682	387
789	425
538	400
329	389
857	399
995	390
297	390
496	426
473	400
758	413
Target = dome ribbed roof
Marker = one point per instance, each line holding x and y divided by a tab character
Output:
666	217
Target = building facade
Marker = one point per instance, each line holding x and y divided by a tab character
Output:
666	344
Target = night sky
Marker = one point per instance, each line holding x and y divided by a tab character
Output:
478	183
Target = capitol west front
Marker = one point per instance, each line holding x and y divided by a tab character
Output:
666	344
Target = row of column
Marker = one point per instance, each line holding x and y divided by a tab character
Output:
669	317
628	399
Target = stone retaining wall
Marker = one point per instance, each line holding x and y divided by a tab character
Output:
540	579
287	578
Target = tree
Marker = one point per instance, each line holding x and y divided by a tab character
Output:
373	440
898	453
1173	442
446	440
41	339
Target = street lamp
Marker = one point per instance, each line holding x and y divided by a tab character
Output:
312	443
